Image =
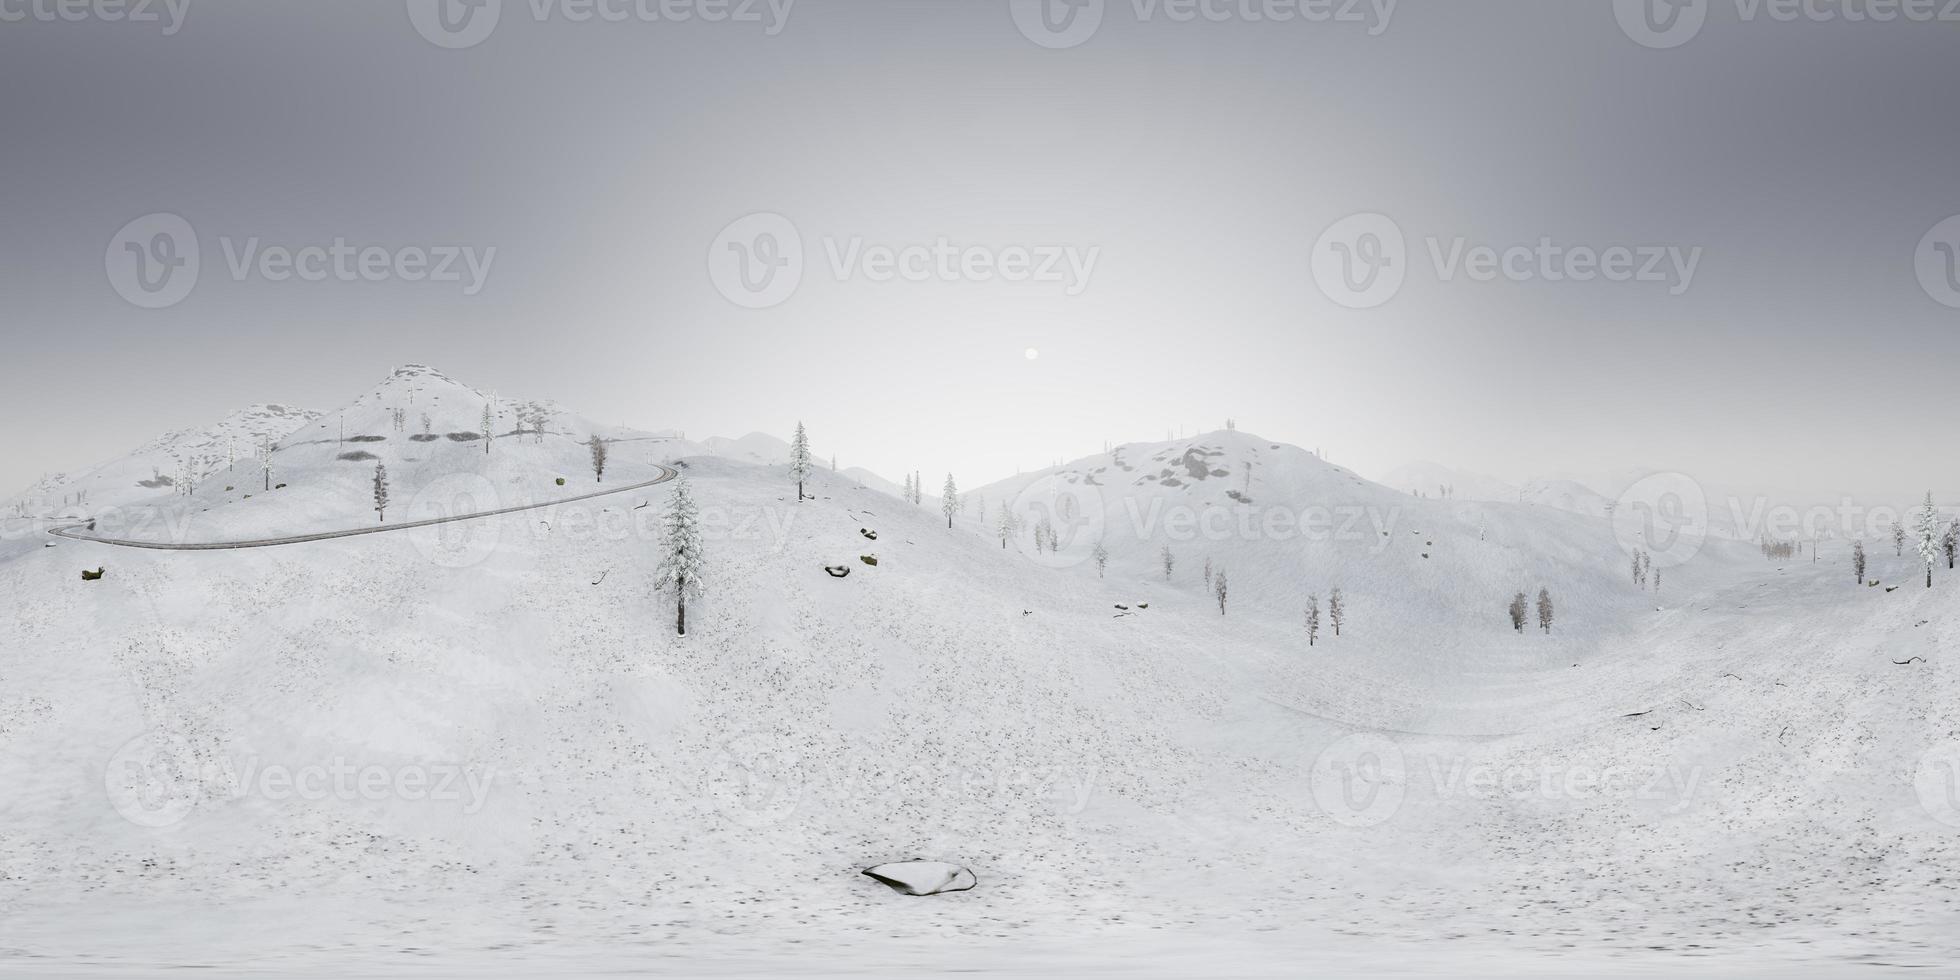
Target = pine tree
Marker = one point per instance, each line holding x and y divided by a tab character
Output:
1545	610
680	552
1950	543
1519	612
1168	560
1218	589
1898	539
1007	525
905	493
1313	619
598	447
1858	560
1207	573
799	459
1336	609
265	460
949	500
1928	528
381	491
487	433
1101	555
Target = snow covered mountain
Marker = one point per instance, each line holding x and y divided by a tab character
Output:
1110	754
1567	495
1429	479
157	467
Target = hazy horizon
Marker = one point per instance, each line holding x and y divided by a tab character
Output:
1791	181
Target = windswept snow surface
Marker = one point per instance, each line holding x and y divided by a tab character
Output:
1731	776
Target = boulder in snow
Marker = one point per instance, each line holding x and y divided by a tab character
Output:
923	877
837	571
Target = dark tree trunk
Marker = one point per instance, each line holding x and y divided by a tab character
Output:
680	619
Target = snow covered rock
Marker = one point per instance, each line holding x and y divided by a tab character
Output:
923	877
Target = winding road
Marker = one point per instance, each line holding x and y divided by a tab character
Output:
69	531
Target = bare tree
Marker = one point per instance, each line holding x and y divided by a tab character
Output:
1218	589
381	491
598	447
1313	619
1207	573
1545	610
1898	539
1519	612
487	433
1858	560
1101	555
1168	560
1336	609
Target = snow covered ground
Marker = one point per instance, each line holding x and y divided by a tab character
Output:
481	747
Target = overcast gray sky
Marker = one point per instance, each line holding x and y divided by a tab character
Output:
1197	163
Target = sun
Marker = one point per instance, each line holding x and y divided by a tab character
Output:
1031	354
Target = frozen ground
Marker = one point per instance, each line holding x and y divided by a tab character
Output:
1730	777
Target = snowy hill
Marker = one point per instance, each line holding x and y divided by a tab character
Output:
1428	479
1567	495
1112	757
156	468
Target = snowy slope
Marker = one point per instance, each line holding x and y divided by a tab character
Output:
1428	479
1152	784
154	469
1568	496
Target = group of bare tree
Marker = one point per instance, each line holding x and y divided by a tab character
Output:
1520	611
1336	614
